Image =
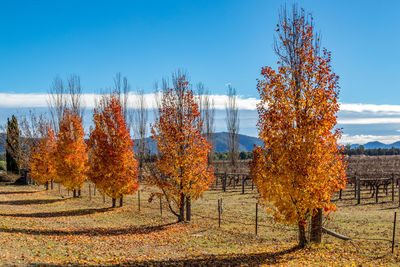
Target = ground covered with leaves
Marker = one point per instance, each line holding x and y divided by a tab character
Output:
51	227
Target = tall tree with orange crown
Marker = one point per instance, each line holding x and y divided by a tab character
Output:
41	162
71	159
113	167
300	165
182	171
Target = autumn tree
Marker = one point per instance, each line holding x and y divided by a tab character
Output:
41	163
300	165
113	167
181	169
71	159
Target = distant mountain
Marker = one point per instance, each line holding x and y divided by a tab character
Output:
246	143
376	145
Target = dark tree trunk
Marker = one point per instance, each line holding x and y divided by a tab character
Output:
188	209
74	193
113	203
302	235
52	184
181	216
47	185
79	193
121	201
316	227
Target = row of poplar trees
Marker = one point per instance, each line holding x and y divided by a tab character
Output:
181	171
107	158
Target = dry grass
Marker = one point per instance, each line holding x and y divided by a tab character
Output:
40	226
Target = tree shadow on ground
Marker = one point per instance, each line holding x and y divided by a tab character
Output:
90	231
17	192
31	201
65	213
251	259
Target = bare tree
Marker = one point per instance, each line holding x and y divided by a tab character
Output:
207	111
232	122
121	89
140	117
61	98
75	95
57	102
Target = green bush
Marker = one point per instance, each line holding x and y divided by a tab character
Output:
3	166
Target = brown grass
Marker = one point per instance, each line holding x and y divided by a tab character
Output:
38	226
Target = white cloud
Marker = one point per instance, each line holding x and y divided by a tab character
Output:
362	139
358	107
40	100
247	103
369	121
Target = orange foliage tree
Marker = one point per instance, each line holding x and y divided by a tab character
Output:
113	167
182	171
71	159
300	165
41	162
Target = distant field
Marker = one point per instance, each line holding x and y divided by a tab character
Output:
40	226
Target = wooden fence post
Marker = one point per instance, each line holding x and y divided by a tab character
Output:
256	218
359	190
219	213
394	230
243	180
392	187
355	187
224	183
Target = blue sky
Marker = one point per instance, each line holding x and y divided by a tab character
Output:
217	42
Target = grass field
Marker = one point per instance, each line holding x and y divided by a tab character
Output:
39	227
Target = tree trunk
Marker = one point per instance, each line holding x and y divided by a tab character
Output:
121	201
74	193
188	209
52	184
47	185
181	217
79	193
316	227
113	203
302	235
